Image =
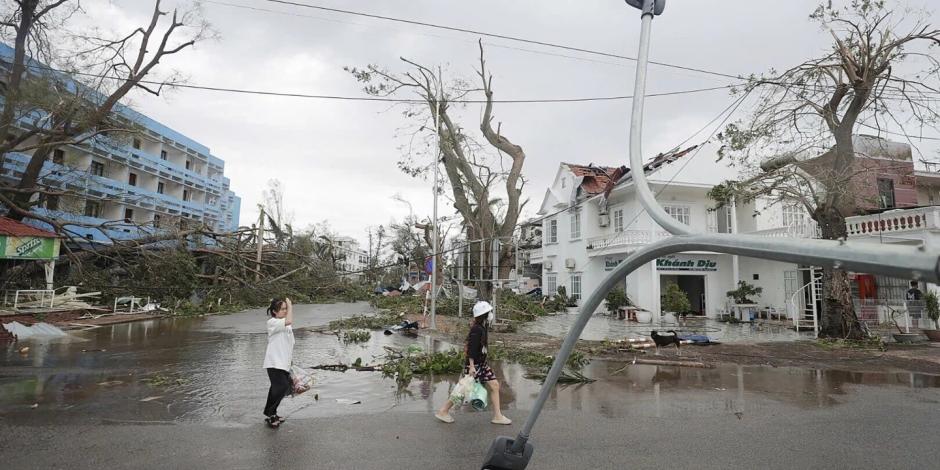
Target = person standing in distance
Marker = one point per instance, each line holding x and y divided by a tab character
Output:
278	357
476	365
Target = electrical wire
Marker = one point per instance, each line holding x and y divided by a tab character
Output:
498	36
380	98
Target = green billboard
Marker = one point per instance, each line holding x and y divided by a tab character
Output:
28	247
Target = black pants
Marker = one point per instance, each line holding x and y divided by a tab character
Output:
280	385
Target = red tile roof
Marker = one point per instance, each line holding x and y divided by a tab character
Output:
13	228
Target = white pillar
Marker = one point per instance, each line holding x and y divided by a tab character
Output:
655	291
50	273
735	268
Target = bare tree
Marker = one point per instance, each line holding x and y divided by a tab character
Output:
882	70
472	176
77	103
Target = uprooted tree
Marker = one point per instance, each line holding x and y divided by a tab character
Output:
882	71
471	171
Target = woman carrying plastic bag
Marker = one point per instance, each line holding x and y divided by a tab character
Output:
278	357
476	365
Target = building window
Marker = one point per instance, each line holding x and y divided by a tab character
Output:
132	179
185	194
189	164
58	156
886	193
163	155
618	220
793	215
160	187
51	201
575	285
681	213
92	209
553	231
551	284
136	143
575	225
97	168
156	220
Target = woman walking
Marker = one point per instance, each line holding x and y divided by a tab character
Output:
278	357
476	365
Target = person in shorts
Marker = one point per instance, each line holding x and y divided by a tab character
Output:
476	365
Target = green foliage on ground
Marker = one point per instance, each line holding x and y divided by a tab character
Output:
402	365
616	299
365	322
355	336
675	299
932	307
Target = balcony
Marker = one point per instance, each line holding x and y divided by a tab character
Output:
536	256
623	241
895	222
804	230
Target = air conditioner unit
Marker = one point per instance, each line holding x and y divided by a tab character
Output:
547	265
569	263
603	220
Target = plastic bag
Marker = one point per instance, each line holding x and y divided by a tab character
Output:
302	381
479	397
461	390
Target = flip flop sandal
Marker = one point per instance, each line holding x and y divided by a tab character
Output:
272	422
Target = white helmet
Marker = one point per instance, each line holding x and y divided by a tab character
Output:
482	308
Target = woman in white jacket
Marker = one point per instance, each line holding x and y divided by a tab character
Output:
278	357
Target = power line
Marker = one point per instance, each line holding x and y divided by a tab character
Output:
498	36
506	37
382	99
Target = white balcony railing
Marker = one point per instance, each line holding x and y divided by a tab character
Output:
626	238
808	229
896	221
535	256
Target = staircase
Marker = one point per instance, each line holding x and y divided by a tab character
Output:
803	305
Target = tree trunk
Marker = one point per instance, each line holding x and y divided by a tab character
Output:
837	318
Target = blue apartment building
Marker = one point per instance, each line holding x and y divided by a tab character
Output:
135	184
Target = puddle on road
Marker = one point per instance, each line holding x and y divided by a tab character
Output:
602	327
209	370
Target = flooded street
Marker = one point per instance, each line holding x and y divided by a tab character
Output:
206	372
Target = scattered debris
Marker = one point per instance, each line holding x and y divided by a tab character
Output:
38	330
34	406
354	336
347	401
93	350
24	350
402	365
155	397
110	383
377	322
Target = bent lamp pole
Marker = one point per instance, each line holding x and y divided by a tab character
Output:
898	261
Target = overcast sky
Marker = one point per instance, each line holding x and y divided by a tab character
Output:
337	159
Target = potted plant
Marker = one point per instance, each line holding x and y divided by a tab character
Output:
903	336
675	301
742	298
932	308
617	299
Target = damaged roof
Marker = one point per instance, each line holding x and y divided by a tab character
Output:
12	228
600	179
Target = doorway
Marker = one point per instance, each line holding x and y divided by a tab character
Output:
692	285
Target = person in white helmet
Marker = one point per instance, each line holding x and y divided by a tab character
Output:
476	365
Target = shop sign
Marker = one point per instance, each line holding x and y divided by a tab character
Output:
686	263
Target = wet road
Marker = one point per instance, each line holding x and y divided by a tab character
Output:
184	393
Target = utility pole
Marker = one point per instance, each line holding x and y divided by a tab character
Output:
434	249
259	240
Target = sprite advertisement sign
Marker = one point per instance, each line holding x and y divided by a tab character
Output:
28	247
